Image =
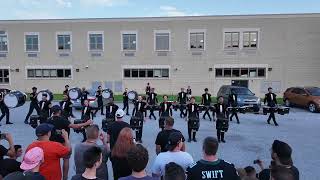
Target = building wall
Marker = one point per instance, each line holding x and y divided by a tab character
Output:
290	45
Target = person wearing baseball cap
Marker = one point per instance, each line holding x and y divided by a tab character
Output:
33	104
30	165
53	151
114	129
174	154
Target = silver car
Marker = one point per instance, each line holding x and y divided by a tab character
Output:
245	96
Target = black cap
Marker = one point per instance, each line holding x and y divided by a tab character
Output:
282	149
174	139
34	87
43	129
56	108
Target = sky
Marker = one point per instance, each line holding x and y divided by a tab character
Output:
61	9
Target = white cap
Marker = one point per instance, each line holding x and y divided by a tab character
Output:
119	113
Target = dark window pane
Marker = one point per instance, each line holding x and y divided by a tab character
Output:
227	72
6	80
261	72
219	72
165	73
150	73
67	73
142	73
235	72
127	73
253	72
60	73
135	73
244	72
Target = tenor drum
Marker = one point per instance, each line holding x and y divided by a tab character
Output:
15	99
34	121
132	95
107	93
106	122
45	91
136	122
74	93
194	123
283	110
268	109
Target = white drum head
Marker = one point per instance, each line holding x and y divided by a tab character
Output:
73	94
131	95
106	94
10	100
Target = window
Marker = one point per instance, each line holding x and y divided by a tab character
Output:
240	72
162	41
197	40
3	41
129	42
95	41
32	42
48	73
146	73
231	39
4	76
250	39
64	42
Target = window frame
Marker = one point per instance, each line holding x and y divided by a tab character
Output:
240	68
50	68
241	39
2	68
88	40
137	40
155	32
250	41
204	31
147	69
57	41
25	41
224	42
7	35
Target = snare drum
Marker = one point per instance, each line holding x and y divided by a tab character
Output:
283	110
45	91
34	121
74	93
132	95
268	109
107	93
194	123
136	122
15	99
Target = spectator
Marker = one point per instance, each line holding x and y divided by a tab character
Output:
53	151
31	165
251	172
210	167
119	157
282	173
162	137
242	173
114	129
281	155
138	159
174	172
92	159
174	154
93	136
4	151
11	164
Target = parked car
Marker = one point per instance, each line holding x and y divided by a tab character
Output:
245	96
307	97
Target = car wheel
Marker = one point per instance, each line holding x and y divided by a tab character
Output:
312	107
287	103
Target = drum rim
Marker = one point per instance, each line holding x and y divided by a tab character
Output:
11	95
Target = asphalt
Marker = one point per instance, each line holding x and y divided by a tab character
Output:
247	141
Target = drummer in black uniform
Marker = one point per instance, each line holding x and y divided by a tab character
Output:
206	101
222	123
189	93
45	106
4	109
148	89
271	100
99	100
233	102
165	110
152	100
84	95
66	106
111	110
66	90
125	101
33	104
193	115
182	99
139	109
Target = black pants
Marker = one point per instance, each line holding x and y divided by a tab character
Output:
182	113
206	113
31	108
220	135
273	117
5	112
236	115
126	106
100	107
152	114
84	135
139	133
190	132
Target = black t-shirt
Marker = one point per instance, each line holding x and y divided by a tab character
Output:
212	170
163	136
265	174
80	177
120	167
3	152
59	123
114	129
24	176
8	166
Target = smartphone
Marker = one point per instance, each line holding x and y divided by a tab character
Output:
59	132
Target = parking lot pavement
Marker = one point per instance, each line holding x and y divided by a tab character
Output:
246	142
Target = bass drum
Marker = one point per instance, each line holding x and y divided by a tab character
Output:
45	91
132	95
15	99
74	93
107	93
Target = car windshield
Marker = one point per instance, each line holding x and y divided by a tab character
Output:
314	91
242	91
